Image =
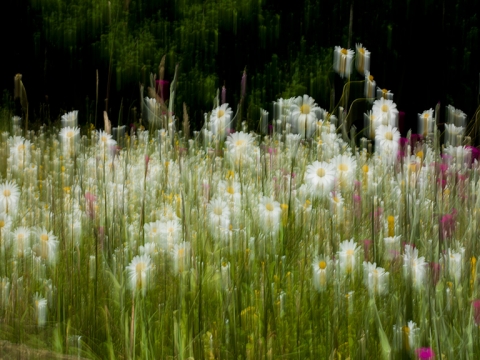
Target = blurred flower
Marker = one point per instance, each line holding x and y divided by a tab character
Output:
375	278
220	121
476	311
321	270
170	234
342	61
426	122
304	112
70	119
46	248
362	60
180	255
387	139
370	84
218	214
138	272
238	144
269	211
21	240
320	176
9	196
40	305
425	353
414	267
385	112
346	167
347	256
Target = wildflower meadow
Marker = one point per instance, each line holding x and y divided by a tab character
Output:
298	237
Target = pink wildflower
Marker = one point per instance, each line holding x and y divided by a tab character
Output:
425	353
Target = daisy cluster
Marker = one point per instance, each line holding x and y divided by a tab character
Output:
295	242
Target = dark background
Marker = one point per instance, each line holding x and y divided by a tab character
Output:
423	51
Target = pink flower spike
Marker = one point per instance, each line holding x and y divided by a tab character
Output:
224	95
425	353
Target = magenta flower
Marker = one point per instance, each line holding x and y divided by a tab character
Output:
163	88
476	311
425	353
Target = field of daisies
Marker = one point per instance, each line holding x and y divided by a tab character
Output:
303	240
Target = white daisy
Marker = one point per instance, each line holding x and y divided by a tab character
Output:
20	151
386	112
218	214
21	241
5	222
105	140
180	256
375	278
70	119
392	247
40	305
348	256
453	134
9	196
238	144
362	59
46	247
345	166
384	94
269	211
152	231
387	138
138	273
454	262
220	121
342	61
170	234
456	117
305	112
322	268
426	122
370	84
414	267
320	176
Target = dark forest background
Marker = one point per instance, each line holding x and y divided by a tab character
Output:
424	51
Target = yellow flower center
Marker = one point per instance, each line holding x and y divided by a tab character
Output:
370	77
44	237
321	172
230	190
171	229
389	135
220	113
343	167
2	223
419	154
239	142
217	210
385	108
350	252
181	252
344	52
20	236
322	265
305	109
269	207
365	168
361	50
7	192
426	116
336	199
384	91
70	134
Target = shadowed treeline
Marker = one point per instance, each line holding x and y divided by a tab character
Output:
423	51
